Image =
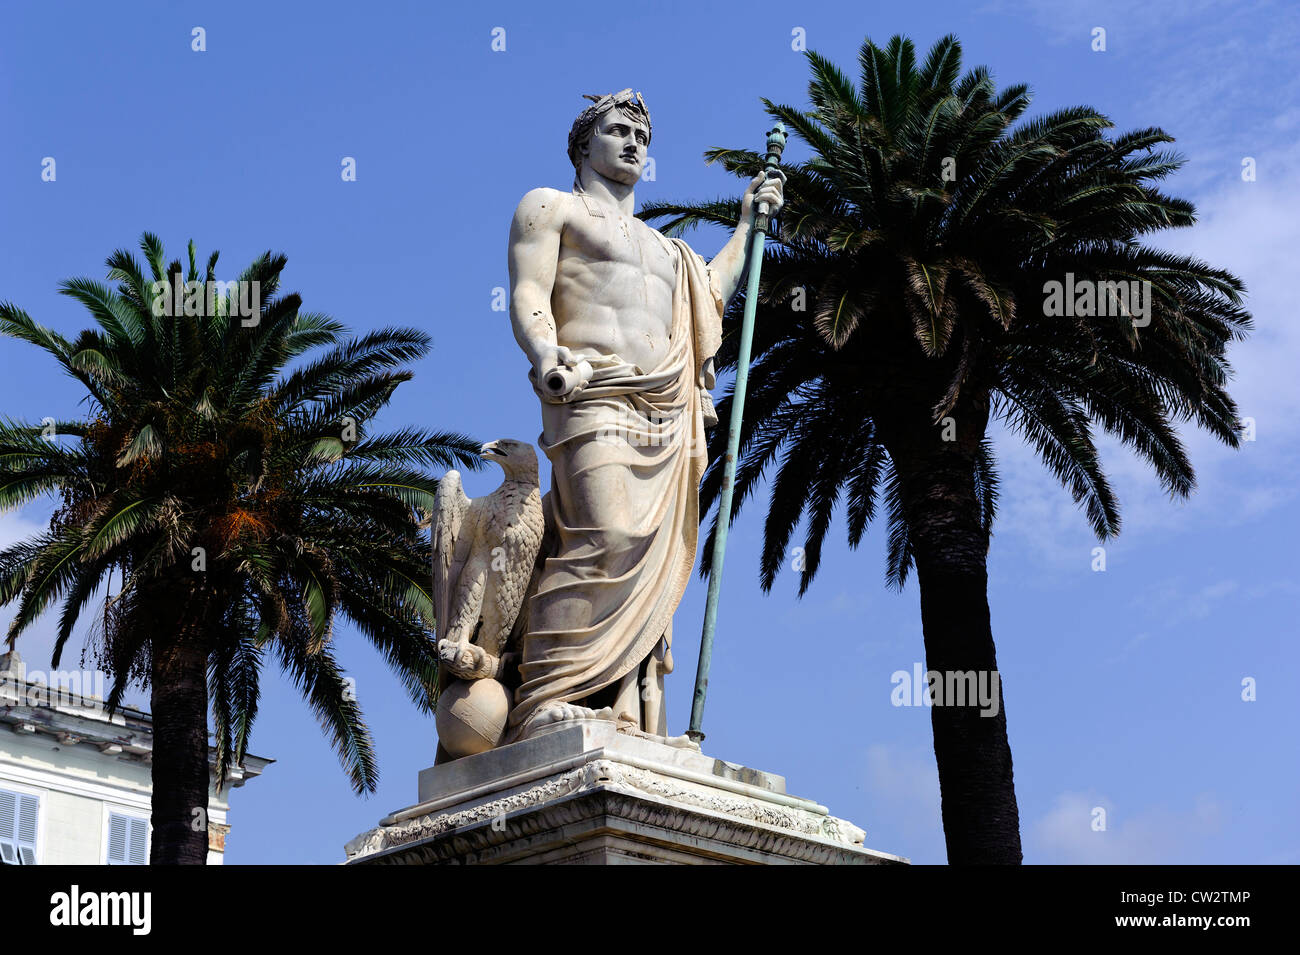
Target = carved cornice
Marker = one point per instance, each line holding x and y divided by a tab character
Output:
638	804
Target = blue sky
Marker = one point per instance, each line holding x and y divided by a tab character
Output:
1123	688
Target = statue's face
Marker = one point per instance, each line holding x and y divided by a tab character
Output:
617	148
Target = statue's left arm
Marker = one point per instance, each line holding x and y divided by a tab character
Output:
728	266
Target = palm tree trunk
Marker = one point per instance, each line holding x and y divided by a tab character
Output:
180	753
981	821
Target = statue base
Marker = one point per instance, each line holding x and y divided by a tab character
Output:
585	793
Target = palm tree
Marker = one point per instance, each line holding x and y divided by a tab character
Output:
904	307
245	506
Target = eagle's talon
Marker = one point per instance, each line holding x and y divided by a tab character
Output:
467	661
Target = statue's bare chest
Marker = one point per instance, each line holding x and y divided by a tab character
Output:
615	239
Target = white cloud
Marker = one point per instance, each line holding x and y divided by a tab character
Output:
1196	60
1187	64
1249	229
1158	835
908	785
15	526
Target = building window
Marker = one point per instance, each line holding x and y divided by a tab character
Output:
18	814
128	840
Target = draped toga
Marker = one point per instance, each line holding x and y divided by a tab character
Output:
623	583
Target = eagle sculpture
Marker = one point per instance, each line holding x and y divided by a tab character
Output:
483	559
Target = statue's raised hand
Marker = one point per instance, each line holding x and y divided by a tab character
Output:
761	189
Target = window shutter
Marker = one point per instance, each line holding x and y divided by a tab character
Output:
19	813
128	840
139	842
8	827
28	808
117	836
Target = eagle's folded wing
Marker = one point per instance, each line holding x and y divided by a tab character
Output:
450	506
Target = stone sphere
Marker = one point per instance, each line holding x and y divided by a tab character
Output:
471	716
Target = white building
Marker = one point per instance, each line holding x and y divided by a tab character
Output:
75	783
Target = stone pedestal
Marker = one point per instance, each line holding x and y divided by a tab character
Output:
586	794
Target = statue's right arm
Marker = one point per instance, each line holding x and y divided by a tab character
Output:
533	257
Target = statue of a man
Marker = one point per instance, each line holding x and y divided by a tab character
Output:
620	325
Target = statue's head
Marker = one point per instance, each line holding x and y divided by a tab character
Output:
612	136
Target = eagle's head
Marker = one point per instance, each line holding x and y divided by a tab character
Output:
517	458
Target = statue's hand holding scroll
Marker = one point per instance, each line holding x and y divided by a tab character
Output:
562	374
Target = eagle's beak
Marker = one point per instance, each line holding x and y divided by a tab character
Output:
491	449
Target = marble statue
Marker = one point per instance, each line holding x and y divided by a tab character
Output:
620	326
484	560
483	556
